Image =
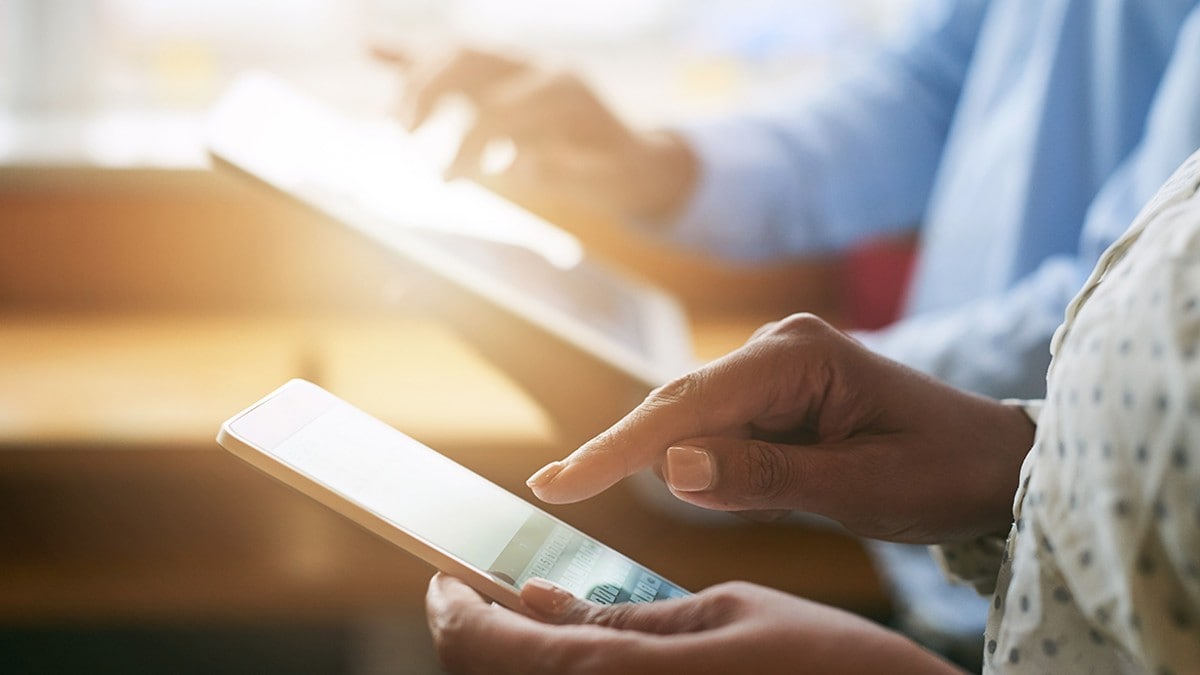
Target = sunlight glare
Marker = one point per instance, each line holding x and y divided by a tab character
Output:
375	167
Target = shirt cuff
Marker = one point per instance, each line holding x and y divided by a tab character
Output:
1031	407
735	208
975	563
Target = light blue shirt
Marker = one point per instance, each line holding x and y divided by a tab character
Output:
1021	136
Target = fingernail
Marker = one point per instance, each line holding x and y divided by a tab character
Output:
689	469
545	597
545	474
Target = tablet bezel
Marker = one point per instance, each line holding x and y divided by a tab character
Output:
298	403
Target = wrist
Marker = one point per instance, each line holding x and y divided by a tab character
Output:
1012	437
870	648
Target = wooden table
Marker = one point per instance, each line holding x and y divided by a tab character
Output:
140	308
119	505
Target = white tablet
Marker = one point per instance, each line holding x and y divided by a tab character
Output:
525	290
424	502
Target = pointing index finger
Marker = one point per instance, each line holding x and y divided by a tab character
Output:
466	71
718	398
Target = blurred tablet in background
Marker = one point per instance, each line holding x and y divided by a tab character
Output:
587	340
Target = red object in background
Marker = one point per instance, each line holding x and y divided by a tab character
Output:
875	280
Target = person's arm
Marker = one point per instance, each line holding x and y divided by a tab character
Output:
568	145
998	346
732	628
858	158
804	417
811	175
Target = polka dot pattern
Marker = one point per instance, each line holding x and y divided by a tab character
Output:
1100	572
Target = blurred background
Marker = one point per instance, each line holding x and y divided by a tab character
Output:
145	297
118	82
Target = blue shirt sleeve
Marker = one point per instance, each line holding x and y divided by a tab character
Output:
857	158
998	345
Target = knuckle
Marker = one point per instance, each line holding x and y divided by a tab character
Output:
801	323
681	399
732	592
447	646
765	329
801	331
618	616
608	616
679	390
768	474
582	612
727	600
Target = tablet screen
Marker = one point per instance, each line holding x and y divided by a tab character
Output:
379	179
583	290
428	495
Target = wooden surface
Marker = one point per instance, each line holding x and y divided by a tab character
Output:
137	240
140	309
119	504
159	379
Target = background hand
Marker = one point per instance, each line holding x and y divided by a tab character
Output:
804	417
568	144
730	628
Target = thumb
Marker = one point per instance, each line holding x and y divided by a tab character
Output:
727	474
546	601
